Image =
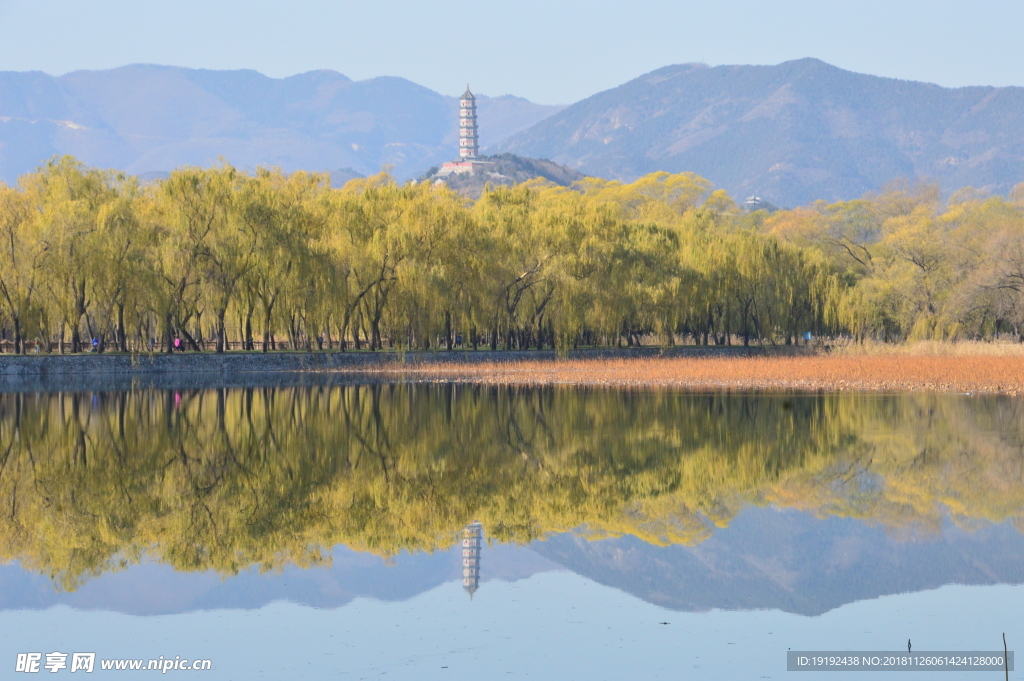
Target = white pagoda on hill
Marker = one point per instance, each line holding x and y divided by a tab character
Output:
469	140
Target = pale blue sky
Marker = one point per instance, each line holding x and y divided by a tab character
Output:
550	51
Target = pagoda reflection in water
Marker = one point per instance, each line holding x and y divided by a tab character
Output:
472	543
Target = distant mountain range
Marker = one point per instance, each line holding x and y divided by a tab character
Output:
791	133
148	120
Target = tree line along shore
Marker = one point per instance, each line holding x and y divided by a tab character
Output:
218	259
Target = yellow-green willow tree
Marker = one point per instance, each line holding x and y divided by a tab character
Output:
71	204
21	256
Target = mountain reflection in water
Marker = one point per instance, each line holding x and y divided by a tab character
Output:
690	501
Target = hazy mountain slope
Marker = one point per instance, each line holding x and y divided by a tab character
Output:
793	562
154	118
792	133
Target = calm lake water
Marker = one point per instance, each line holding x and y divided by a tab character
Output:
459	532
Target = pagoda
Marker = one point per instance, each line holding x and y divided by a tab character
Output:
472	544
469	145
469	140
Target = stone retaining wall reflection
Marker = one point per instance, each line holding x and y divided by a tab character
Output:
242	369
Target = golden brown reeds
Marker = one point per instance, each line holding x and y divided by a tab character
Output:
884	372
931	349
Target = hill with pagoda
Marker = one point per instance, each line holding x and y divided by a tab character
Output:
503	170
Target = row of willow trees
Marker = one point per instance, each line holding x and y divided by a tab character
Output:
220	259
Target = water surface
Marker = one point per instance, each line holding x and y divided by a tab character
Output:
317	531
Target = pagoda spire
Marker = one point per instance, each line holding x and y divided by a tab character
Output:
469	145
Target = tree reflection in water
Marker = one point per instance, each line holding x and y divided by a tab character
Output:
227	479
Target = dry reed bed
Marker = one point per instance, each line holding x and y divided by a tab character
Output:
881	373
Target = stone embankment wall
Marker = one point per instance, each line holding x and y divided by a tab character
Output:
239	369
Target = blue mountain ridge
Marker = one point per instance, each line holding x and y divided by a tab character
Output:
792	133
152	119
